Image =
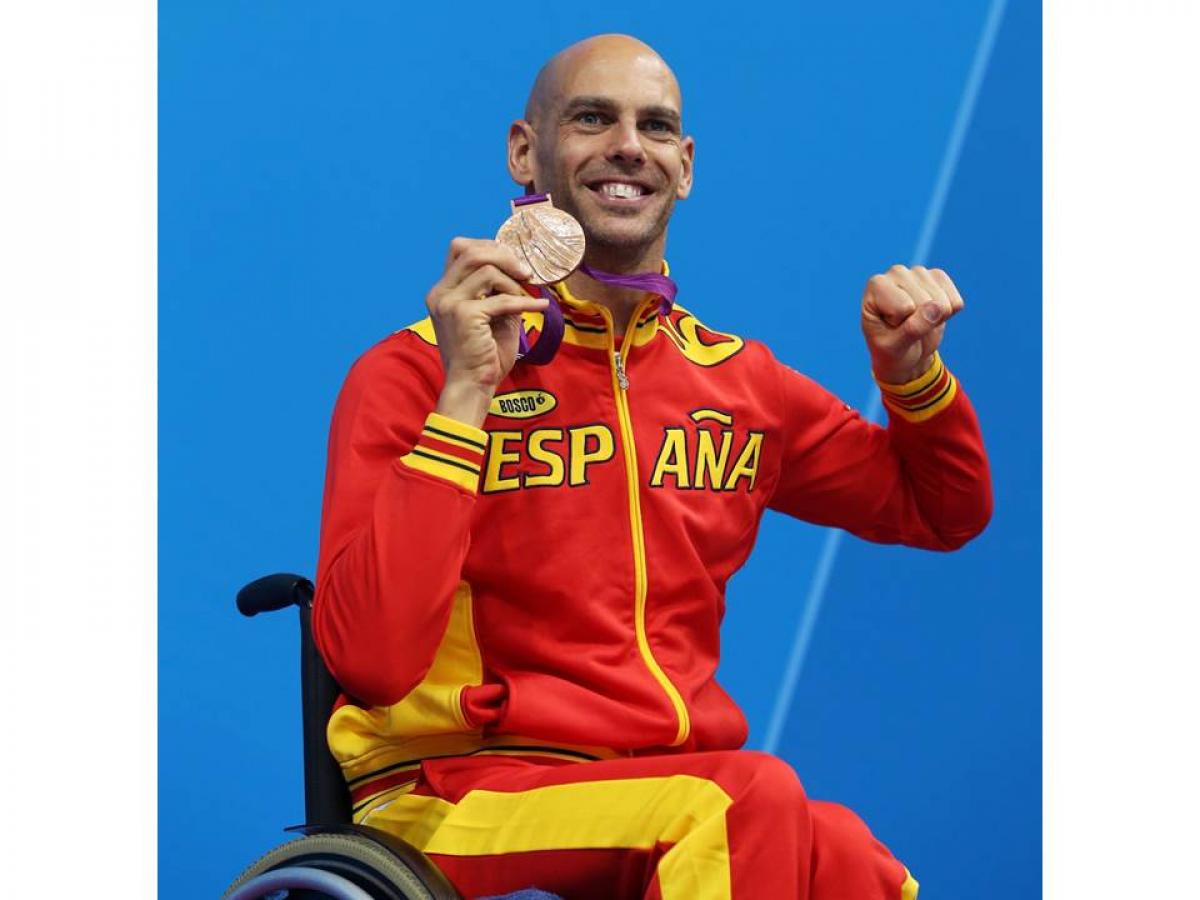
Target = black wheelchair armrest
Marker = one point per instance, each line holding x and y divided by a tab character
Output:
326	799
272	592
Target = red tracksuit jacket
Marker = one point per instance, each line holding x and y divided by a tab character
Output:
557	579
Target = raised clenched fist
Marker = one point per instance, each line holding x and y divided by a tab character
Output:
904	313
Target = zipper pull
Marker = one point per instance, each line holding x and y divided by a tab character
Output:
622	378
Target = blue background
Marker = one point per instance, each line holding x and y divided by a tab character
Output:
315	159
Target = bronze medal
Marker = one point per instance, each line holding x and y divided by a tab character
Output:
548	239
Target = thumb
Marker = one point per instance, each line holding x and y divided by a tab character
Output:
922	322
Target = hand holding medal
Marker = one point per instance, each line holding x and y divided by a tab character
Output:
476	307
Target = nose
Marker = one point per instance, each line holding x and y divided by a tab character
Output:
626	146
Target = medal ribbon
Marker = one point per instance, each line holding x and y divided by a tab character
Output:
553	325
651	282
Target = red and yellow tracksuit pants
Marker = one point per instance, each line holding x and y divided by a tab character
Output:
679	827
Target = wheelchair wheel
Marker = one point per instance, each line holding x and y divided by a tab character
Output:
383	871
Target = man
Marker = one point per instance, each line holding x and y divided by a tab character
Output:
523	568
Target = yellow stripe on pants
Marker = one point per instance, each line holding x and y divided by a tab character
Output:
633	813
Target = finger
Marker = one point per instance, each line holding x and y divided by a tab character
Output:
461	245
890	303
484	282
501	305
928	283
904	279
468	254
924	322
932	308
510	325
934	289
951	289
475	254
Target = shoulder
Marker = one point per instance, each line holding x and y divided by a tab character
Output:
706	346
405	361
422	329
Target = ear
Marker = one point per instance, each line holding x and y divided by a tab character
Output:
687	151
521	152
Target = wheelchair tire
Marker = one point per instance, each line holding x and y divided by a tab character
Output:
360	860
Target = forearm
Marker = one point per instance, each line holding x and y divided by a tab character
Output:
944	473
385	585
923	481
465	402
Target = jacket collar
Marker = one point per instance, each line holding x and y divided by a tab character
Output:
585	323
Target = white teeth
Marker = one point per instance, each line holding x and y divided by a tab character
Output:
619	189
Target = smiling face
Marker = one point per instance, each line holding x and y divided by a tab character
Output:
603	135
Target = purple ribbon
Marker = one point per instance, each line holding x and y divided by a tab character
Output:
650	282
553	325
552	334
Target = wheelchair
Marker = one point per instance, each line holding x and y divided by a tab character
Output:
332	858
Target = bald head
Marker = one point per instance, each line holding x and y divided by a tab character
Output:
603	134
555	79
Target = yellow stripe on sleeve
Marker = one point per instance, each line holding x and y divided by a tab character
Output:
935	406
455	432
457	473
448	458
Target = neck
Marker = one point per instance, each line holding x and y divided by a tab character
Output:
621	302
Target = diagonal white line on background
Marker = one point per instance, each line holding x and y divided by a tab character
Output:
933	216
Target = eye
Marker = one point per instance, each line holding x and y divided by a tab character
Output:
658	126
590	117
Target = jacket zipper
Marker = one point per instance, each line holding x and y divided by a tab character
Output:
622	378
620	387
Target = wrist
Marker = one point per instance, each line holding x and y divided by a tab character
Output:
465	402
923	397
900	376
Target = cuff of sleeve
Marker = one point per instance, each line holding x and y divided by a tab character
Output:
924	397
449	450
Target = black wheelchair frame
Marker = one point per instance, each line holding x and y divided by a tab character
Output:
333	858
